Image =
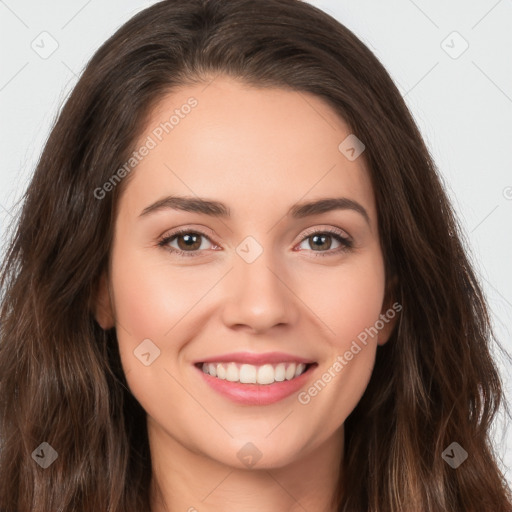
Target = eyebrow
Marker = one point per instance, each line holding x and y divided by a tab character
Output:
218	209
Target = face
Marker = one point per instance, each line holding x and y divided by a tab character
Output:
261	284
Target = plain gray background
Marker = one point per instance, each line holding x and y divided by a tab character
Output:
451	60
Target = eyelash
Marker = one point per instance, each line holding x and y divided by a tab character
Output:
346	243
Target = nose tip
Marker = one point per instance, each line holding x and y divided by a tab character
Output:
259	299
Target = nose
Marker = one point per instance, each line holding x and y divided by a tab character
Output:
258	296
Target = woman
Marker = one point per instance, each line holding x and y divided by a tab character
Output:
178	331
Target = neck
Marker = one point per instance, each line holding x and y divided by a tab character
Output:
188	481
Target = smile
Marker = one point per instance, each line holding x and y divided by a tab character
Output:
253	374
255	385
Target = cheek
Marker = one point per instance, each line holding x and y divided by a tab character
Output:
350	310
148	301
157	301
349	299
146	308
141	301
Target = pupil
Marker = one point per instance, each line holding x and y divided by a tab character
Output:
316	237
189	241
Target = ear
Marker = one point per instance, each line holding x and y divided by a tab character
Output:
103	311
390	312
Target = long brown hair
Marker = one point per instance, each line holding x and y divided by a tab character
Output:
62	383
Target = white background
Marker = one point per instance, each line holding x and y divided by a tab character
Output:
463	106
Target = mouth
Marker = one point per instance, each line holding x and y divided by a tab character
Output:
265	374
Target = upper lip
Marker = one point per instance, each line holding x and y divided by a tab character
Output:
256	359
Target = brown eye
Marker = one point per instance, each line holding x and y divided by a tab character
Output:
321	242
188	242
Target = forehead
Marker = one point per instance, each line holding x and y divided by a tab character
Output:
257	150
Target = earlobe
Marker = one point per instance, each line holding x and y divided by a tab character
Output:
103	311
389	318
390	312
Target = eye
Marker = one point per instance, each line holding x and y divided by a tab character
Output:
320	240
189	242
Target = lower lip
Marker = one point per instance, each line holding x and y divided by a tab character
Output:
257	394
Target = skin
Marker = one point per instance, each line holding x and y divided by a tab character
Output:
260	151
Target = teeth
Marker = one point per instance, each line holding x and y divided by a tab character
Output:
290	372
221	371
266	374
280	372
232	373
250	374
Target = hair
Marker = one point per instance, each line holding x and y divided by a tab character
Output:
434	382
